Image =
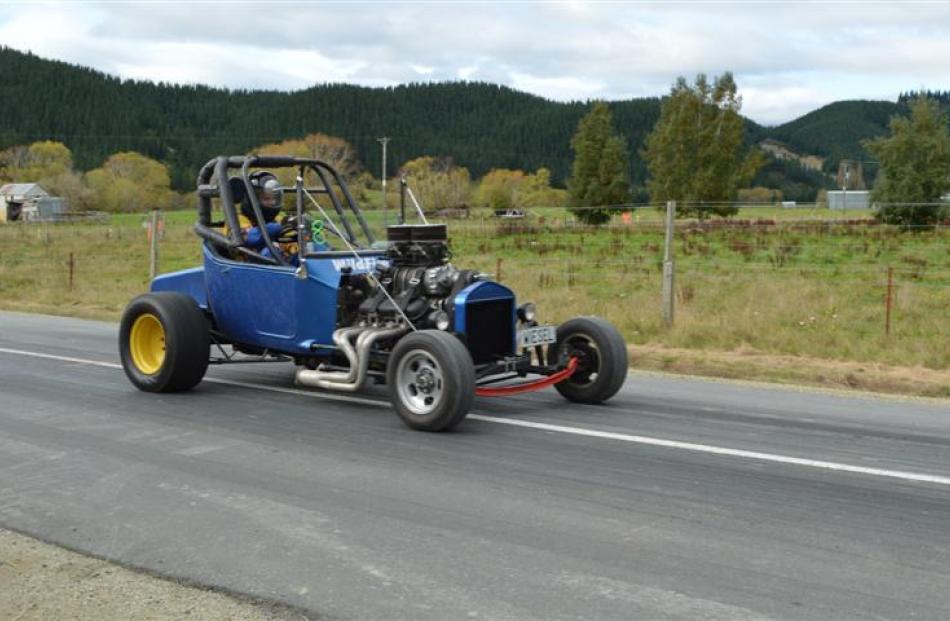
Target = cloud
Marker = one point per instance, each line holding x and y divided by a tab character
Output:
775	103
466	73
560	88
787	58
421	69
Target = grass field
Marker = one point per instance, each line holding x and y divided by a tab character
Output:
787	287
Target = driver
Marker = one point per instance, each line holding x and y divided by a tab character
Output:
270	197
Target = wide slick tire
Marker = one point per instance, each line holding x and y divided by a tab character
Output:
431	380
164	342
602	359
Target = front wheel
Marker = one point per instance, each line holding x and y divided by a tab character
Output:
431	380
601	359
164	342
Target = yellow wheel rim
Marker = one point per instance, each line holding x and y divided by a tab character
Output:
147	344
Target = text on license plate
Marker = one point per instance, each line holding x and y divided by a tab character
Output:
539	335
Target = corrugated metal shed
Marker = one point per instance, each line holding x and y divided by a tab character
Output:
852	199
44	209
19	192
28	201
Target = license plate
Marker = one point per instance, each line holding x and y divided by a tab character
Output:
539	335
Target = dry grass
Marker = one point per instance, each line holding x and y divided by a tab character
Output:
111	265
748	364
817	293
813	290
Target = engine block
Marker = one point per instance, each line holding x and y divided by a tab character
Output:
416	275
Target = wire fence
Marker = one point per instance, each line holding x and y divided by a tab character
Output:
836	288
772	280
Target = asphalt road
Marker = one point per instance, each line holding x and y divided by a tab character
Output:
679	499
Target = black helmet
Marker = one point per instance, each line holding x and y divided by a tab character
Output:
263	182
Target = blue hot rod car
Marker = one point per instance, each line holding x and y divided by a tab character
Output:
321	291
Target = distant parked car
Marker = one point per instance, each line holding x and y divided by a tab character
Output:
510	213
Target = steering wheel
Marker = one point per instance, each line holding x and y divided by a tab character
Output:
289	229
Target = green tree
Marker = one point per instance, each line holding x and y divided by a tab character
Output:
914	166
695	153
600	175
130	182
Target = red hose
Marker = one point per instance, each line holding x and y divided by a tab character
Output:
550	380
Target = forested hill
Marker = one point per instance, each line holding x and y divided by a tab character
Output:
836	131
482	126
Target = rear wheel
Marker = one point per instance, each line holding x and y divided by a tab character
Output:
601	359
164	342
431	380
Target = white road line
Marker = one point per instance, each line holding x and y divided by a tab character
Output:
577	431
214	380
718	450
36	354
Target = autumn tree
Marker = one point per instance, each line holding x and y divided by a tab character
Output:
40	160
502	189
334	151
48	163
438	183
600	175
914	166
760	195
130	182
695	153
538	191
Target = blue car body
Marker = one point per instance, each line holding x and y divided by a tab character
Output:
270	306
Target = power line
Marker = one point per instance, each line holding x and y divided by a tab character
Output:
165	137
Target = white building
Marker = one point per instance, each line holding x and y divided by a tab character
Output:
29	202
852	199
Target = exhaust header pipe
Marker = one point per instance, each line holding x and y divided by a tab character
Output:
358	358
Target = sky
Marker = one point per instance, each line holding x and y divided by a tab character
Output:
788	58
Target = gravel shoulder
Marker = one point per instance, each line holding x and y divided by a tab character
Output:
797	370
42	581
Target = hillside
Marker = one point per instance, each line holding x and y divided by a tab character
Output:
482	126
835	131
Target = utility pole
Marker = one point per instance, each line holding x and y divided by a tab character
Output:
383	141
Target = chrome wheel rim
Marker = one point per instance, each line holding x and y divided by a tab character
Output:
419	382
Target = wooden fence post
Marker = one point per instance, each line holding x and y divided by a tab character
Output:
153	246
668	265
888	300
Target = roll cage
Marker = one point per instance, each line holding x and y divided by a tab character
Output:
215	182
